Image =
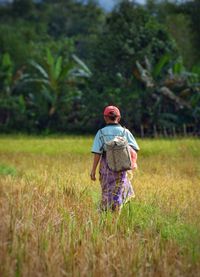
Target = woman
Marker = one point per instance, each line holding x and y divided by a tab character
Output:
116	187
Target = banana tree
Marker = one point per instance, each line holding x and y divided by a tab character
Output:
57	80
170	89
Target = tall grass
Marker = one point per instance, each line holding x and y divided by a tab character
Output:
50	224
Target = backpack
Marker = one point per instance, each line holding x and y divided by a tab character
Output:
117	153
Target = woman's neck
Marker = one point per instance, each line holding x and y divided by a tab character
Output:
112	122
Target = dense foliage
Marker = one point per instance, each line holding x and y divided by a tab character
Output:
61	62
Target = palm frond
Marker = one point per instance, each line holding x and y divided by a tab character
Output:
39	68
82	64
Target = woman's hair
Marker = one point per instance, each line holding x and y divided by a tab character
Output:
112	116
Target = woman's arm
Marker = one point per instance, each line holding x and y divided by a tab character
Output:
94	167
131	140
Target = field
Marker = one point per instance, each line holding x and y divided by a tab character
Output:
50	224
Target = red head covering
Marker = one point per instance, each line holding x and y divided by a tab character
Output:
111	110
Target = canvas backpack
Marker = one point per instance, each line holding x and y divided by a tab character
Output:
117	153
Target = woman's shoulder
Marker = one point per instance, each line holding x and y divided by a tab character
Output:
113	127
127	130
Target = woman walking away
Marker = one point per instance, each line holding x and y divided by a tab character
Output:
115	185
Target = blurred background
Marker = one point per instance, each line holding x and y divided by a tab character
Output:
62	62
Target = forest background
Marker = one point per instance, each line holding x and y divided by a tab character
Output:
62	62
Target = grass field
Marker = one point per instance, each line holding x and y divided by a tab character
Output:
50	225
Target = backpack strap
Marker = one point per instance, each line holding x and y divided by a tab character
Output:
102	137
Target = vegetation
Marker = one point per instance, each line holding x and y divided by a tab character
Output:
61	62
50	224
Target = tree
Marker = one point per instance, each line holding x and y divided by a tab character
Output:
56	84
22	8
172	94
183	23
192	9
12	105
129	34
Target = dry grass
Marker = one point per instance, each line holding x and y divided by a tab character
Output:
50	225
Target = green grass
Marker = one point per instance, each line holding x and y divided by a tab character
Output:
7	170
82	145
148	217
45	145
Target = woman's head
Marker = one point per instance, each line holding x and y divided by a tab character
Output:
112	114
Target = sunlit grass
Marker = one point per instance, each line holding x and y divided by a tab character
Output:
50	224
45	145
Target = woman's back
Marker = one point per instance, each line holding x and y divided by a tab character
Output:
108	133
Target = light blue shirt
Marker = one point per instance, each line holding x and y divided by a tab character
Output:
109	132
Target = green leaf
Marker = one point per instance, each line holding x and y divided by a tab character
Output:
160	65
58	67
50	58
65	71
178	66
82	64
6	60
36	80
40	69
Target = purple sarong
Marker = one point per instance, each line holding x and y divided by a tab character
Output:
116	187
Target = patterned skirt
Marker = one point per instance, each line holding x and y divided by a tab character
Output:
116	187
